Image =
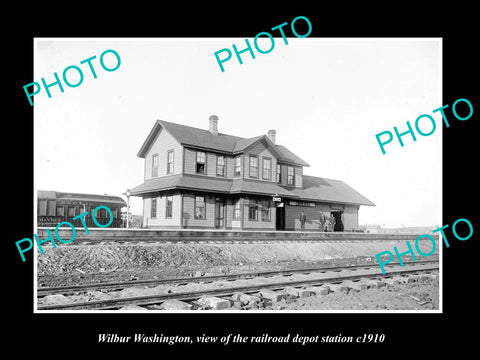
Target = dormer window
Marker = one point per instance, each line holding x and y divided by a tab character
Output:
220	165
253	166
201	159
267	169
290	175
238	167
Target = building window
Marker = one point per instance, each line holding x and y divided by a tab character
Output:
169	206
170	162
201	162
236	210
291	176
252	210
200	207
238	167
253	166
267	169
279	172
153	209
155	165
265	210
220	165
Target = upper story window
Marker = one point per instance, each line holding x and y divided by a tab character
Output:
253	166
170	162
220	165
201	160
279	172
267	169
238	167
155	165
290	175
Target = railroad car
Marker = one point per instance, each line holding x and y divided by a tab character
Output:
54	207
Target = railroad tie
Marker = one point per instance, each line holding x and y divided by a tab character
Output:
355	285
300	293
319	290
273	295
338	287
214	302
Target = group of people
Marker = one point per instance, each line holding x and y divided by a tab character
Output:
326	223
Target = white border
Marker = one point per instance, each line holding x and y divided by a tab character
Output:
244	312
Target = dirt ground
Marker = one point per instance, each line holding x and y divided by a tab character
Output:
72	264
83	264
411	296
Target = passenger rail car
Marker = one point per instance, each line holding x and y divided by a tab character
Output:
54	207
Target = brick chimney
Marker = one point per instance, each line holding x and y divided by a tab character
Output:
213	124
272	135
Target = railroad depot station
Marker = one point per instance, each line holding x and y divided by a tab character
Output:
202	179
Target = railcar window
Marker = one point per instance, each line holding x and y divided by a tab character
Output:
71	211
42	207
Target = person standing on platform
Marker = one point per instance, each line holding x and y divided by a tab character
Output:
332	222
322	222
303	218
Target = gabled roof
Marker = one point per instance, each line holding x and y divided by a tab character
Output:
223	143
288	156
329	190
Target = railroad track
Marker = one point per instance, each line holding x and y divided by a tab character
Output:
274	289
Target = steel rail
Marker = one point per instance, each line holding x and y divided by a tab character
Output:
43	291
193	295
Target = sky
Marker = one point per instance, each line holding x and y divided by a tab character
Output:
326	98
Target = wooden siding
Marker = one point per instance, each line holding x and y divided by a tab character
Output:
298	172
189	220
292	216
259	224
350	217
211	163
161	145
160	220
261	151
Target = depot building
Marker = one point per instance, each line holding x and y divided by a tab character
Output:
202	179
